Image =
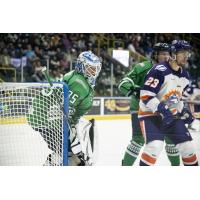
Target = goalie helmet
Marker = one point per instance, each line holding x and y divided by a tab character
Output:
180	45
89	65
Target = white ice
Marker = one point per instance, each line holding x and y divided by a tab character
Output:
21	141
20	145
114	136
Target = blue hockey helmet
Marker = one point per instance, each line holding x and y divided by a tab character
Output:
89	65
180	45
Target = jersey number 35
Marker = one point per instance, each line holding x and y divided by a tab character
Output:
72	97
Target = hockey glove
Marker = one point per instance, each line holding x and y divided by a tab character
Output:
167	116
84	159
135	91
186	116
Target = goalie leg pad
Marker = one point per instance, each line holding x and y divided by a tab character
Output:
151	152
188	155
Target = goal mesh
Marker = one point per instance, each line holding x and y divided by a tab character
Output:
33	126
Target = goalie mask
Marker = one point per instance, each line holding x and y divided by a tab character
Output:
89	65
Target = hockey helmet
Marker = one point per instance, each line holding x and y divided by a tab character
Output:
89	65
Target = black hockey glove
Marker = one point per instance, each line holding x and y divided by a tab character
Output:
186	116
84	159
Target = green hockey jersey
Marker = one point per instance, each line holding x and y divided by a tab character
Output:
135	78
46	112
80	95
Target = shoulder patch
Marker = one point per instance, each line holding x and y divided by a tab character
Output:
161	68
142	64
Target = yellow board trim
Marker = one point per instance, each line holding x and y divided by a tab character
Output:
107	117
11	120
23	120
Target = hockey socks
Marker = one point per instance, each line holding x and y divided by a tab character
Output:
172	154
131	153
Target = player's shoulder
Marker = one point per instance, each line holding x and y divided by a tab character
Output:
68	76
77	82
161	69
142	66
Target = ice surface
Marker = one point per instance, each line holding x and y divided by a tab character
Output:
21	141
21	145
114	136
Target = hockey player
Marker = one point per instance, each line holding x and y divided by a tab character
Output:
130	86
81	82
192	96
162	112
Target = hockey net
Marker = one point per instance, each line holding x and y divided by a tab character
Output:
33	127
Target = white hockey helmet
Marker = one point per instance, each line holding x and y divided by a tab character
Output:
89	65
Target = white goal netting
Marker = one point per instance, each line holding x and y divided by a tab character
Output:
33	128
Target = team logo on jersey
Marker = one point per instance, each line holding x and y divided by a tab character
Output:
161	68
173	97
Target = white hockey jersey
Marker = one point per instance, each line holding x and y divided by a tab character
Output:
163	84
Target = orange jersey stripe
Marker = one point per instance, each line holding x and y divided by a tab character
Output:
148	158
143	129
140	112
190	159
145	97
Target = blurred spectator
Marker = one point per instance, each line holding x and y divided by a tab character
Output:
5	58
64	64
55	75
54	62
29	53
60	50
37	75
